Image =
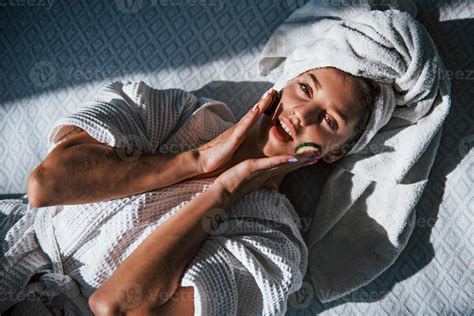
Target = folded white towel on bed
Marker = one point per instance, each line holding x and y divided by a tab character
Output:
365	213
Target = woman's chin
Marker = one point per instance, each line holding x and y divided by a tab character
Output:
270	146
274	148
265	148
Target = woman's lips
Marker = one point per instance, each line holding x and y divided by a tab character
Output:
279	133
288	124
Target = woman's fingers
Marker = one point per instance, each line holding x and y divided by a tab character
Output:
217	152
267	169
264	164
283	168
267	177
264	101
247	121
281	162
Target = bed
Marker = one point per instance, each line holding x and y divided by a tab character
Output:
56	54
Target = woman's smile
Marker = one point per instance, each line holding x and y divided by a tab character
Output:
273	137
280	133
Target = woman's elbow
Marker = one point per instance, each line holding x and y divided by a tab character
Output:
35	191
104	305
101	305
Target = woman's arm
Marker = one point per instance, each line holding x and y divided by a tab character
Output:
82	170
155	268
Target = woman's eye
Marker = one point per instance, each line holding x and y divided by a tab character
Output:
304	87
330	122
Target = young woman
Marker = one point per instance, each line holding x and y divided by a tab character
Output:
324	106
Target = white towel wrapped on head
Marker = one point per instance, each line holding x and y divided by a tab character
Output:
384	174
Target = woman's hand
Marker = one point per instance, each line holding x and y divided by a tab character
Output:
252	174
220	150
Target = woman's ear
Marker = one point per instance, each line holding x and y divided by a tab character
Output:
333	156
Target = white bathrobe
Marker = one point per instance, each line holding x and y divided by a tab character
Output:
248	265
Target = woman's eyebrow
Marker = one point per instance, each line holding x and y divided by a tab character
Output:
334	108
315	81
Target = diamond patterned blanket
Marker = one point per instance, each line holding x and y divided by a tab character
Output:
54	56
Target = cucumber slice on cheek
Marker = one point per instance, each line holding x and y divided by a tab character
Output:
308	147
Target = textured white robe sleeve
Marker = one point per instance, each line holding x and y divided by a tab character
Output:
129	115
252	261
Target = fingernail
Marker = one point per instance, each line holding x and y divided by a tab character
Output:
293	159
311	160
267	93
255	107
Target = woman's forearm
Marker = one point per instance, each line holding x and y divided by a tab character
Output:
88	173
158	263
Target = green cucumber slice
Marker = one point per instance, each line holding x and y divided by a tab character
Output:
313	146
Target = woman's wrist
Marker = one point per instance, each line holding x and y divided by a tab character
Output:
194	159
222	196
190	162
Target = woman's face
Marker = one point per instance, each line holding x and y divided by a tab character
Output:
322	107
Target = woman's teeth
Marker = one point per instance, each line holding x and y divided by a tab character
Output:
285	128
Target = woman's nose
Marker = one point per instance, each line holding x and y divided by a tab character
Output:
307	115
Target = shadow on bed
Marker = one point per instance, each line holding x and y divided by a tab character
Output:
95	41
419	251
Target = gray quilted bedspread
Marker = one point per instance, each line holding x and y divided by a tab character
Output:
55	54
